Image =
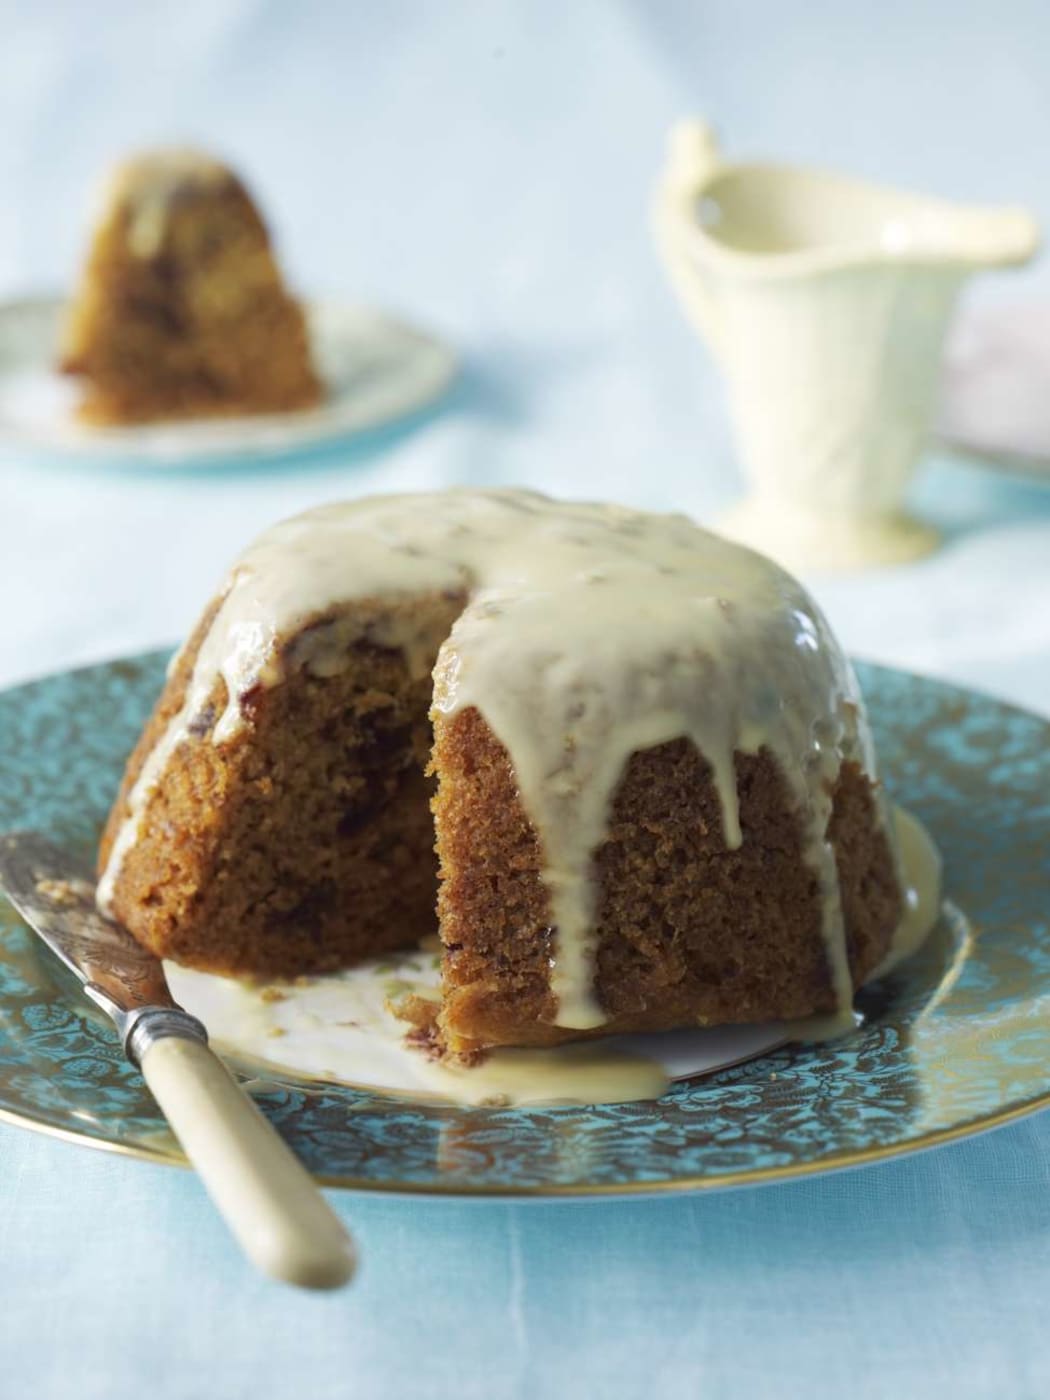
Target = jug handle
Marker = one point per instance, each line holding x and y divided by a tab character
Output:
692	157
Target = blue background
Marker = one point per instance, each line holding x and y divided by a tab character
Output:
916	1278
485	168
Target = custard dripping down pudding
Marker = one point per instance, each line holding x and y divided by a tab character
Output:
626	759
181	311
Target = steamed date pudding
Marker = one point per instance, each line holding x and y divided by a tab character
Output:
181	311
618	762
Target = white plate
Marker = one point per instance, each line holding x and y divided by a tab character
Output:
376	371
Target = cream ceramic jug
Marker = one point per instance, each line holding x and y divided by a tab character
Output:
825	302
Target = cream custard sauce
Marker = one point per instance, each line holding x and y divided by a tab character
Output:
582	633
148	186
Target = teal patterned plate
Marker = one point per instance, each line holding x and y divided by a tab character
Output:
956	1041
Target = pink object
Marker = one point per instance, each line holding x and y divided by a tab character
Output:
995	390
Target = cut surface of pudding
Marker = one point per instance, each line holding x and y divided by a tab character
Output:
638	751
181	311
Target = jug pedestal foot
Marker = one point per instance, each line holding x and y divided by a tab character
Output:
804	540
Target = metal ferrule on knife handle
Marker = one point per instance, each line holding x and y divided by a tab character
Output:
145	1025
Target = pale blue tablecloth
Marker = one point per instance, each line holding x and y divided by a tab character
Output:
485	168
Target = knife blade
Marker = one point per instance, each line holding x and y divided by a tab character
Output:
270	1202
56	897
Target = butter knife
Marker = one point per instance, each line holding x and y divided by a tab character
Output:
267	1198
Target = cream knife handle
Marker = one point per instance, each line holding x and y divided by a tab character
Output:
263	1192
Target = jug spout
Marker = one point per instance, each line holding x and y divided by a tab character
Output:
979	237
